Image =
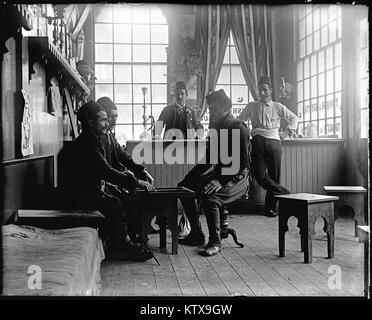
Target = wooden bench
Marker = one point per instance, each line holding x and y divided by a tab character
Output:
59	219
306	208
352	196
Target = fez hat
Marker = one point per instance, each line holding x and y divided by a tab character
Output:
180	85
88	111
83	67
107	103
219	95
265	80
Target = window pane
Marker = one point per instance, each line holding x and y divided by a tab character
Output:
332	31
159	34
159	93
156	110
122	73
158	53
316	40
103	73
141	33
321	128
122	53
141	73
316	19
338	54
103	32
300	91
307	89
324	36
122	14
329	82
363	93
302	48
237	75
299	70
314	109
103	52
313	64
157	15
338	105
332	12
339	28
122	33
104	90
159	73
138	93
224	76
338	79
321	84
329	58
321	107
123	93
138	129
301	129
329	106
125	113
306	68
329	127
141	14
323	15
141	53
103	13
234	56
239	94
314	84
301	29
307	110
227	56
123	133
309	44
338	127
363	63
321	61
138	113
300	110
309	24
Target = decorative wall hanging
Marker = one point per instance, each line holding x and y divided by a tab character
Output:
27	147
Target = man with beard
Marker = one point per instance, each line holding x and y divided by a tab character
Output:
215	187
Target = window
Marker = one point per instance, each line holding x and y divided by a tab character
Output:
232	81
130	54
363	72
319	65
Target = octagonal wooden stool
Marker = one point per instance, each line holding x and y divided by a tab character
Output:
306	208
352	196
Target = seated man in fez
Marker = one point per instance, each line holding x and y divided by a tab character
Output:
213	186
179	117
87	186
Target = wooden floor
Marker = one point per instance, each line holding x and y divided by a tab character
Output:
255	270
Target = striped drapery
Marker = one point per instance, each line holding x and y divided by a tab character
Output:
213	28
250	25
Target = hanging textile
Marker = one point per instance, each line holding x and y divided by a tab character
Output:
212	33
250	25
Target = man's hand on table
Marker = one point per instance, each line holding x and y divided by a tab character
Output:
211	187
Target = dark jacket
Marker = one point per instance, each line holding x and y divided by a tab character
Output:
228	122
173	117
89	168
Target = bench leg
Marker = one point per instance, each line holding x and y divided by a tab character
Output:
163	231
173	222
330	230
283	228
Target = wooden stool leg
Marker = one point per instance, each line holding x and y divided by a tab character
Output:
163	230
330	230
301	235
283	228
308	237
172	222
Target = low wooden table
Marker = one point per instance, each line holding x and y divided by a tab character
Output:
352	196
59	219
164	204
306	208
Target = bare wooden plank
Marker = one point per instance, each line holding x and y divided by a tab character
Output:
122	278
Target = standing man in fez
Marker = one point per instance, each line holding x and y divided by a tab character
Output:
214	185
86	187
180	117
265	115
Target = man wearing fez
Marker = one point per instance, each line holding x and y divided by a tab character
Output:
86	188
265	115
213	186
178	116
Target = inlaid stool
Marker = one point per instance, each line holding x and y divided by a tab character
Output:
352	196
306	208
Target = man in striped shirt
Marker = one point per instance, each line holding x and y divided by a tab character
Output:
265	116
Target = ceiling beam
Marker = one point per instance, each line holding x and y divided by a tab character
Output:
80	23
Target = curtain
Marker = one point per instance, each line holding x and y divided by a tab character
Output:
213	30
250	26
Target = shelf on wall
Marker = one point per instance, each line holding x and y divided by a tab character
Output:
44	47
